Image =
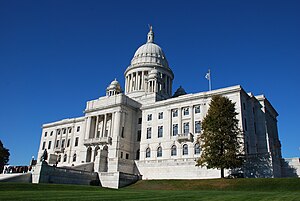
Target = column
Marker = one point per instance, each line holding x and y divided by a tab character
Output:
92	154
138	80
143	80
112	124
104	126
192	122
126	84
166	84
96	126
179	121
88	127
117	123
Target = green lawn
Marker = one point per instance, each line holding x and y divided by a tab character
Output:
210	190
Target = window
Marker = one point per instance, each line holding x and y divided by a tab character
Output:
70	130
148	133
51	133
137	156
63	143
49	145
65	157
160	115
244	106
127	156
175	129
175	113
139	133
68	143
197	109
44	144
78	128
149	118
74	157
186	111
185	150
246	128
186	128
159	152
197	126
121	154
58	132
59	158
160	131
148	152
57	143
140	121
45	134
197	148
76	141
122	132
173	150
64	131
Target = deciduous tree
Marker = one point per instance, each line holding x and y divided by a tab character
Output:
4	156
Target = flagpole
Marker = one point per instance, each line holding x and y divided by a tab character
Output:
209	80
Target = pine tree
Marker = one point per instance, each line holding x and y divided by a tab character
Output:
4	156
220	138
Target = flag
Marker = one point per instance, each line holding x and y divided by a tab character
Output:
207	76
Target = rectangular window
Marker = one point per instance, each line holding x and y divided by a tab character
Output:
140	121
186	128
160	131
149	118
58	131
68	143
127	156
175	113
51	133
57	143
121	154
197	109
78	128
44	144
139	133
49	145
76	141
45	134
70	130
197	126
64	131
122	133
245	120
160	115
148	133
186	111
175	129
63	143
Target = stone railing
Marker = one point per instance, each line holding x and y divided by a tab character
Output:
59	149
97	141
184	137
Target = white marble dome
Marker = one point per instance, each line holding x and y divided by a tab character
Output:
149	53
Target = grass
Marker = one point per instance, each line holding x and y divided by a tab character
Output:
210	190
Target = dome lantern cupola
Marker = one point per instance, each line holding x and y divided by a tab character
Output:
114	88
150	38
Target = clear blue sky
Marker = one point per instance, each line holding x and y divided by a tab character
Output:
56	55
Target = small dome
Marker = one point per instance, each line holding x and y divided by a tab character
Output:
114	85
179	92
115	82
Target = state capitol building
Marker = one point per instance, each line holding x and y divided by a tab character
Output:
145	130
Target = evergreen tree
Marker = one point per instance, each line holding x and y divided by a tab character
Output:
220	138
4	156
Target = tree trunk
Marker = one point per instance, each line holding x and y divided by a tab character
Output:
222	172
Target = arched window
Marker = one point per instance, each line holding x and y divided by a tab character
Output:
197	148
148	152
173	150
159	152
74	157
185	149
59	158
65	157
